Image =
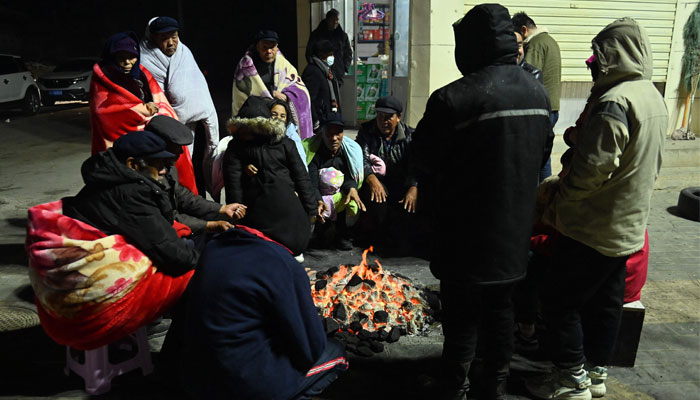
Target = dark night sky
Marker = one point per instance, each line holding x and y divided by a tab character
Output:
217	32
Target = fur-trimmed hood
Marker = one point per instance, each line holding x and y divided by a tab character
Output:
267	129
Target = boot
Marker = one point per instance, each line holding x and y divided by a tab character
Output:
454	380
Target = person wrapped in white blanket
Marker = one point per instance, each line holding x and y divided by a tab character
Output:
174	68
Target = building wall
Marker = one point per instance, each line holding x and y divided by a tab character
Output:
573	24
431	52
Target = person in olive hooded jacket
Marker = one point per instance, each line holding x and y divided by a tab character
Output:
497	116
601	211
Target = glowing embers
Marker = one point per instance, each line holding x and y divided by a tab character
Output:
364	303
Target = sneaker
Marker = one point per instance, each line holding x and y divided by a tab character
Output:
300	258
561	384
597	375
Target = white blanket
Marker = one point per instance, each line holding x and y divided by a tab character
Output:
186	88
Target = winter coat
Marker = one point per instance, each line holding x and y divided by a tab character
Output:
372	143
531	69
190	209
491	126
604	200
252	330
342	51
119	200
542	52
273	206
319	91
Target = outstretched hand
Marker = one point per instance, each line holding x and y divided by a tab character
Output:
218	226
353	195
410	200
377	192
235	211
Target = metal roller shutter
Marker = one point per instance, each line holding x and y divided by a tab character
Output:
574	23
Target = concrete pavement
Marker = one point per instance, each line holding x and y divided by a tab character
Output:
40	161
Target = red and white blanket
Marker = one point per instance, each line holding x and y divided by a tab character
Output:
114	111
92	289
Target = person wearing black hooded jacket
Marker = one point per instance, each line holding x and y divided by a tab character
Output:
495	120
121	197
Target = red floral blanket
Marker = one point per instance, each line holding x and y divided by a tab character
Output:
114	111
92	289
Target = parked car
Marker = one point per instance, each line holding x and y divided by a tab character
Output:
18	88
68	81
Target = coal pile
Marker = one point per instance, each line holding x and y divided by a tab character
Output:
365	306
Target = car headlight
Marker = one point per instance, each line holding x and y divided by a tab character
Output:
79	79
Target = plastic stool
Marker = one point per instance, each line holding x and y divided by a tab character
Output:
98	372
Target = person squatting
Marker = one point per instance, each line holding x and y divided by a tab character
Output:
244	325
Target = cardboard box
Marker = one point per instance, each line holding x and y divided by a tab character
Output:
361	91
373	73
361	75
372	92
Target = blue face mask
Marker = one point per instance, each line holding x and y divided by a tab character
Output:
330	60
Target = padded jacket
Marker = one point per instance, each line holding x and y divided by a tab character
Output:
604	201
481	142
119	200
371	141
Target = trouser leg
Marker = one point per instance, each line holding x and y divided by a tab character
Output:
460	321
573	282
602	316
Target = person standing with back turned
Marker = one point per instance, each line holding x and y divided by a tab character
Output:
495	115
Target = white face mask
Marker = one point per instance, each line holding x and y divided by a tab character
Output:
330	60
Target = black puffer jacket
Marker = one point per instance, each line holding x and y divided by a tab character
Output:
273	206
118	200
482	141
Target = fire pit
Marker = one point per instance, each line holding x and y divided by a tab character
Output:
363	305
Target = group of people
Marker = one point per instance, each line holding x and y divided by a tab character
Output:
246	326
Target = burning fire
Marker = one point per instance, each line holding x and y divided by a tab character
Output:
367	297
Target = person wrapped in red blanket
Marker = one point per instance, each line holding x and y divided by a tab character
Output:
124	97
107	261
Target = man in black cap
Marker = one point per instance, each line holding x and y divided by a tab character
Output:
266	44
330	149
123	195
173	66
389	185
199	214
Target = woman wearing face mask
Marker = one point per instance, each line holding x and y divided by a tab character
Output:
124	97
280	110
321	83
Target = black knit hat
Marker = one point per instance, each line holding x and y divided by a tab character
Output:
255	106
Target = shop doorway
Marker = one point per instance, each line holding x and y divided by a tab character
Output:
378	33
